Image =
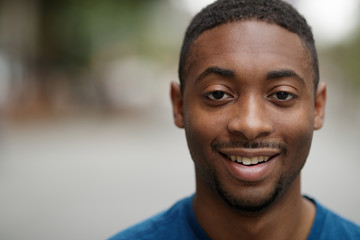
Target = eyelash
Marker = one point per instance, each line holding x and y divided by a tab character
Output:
225	97
292	96
210	95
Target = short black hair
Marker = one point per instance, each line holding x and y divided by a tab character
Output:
270	11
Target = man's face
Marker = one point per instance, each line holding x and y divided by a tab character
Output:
249	111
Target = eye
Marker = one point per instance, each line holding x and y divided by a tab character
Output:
283	96
217	95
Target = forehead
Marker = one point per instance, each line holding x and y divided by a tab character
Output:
254	44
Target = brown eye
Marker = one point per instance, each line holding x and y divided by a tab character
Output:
217	95
283	96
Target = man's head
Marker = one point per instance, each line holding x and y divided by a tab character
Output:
226	11
248	105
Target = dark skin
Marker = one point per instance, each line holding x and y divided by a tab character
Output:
250	82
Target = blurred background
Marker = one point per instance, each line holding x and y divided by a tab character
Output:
87	143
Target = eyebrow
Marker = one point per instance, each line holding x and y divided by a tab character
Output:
227	73
284	73
272	75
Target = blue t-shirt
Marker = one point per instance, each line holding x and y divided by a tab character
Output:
179	222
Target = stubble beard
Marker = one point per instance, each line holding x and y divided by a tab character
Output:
249	200
249	204
253	202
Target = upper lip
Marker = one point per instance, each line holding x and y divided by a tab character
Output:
249	153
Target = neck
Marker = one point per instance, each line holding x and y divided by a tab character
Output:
289	217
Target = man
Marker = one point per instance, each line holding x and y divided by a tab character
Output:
249	100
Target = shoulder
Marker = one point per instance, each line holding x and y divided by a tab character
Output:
164	225
329	225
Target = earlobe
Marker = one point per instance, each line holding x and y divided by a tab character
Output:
177	104
320	102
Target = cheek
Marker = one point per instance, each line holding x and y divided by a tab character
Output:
201	128
297	132
298	121
198	130
197	141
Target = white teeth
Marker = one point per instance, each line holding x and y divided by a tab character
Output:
246	161
254	160
249	161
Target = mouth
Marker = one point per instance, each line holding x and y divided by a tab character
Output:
250	165
249	161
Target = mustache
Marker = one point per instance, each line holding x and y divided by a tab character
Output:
218	144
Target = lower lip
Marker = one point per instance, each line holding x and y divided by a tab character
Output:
252	173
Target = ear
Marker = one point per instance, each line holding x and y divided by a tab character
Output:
177	104
320	101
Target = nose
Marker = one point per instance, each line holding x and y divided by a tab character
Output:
250	118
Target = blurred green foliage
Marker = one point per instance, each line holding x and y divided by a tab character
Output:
71	31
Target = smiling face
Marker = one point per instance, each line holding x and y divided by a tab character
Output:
249	111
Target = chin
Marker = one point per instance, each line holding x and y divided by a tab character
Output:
252	200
